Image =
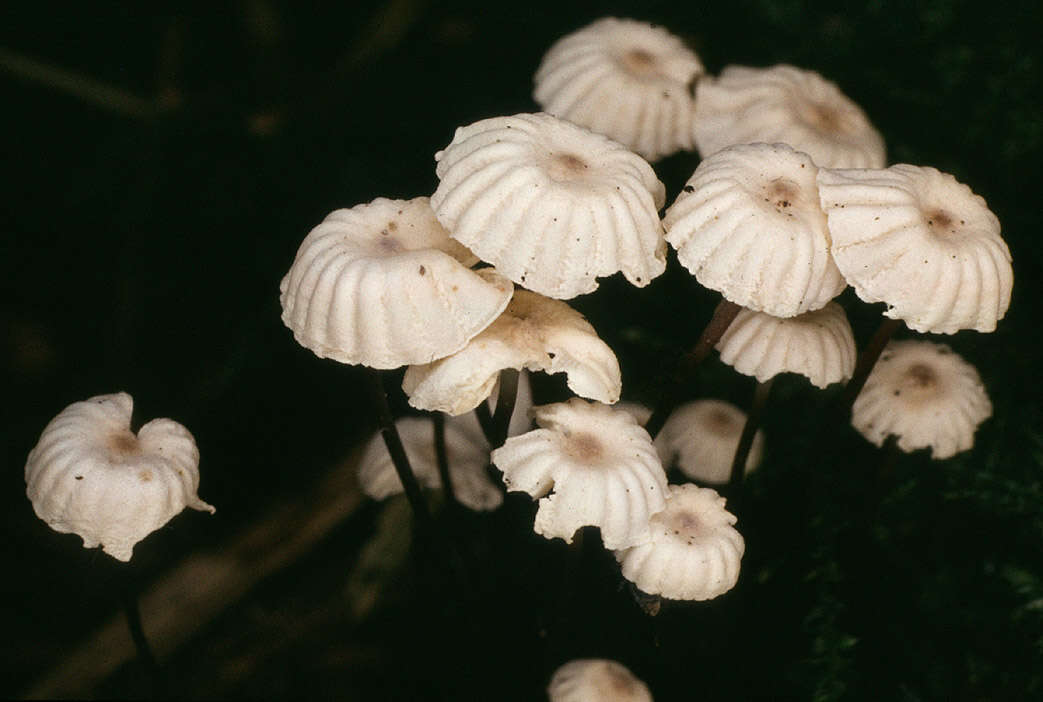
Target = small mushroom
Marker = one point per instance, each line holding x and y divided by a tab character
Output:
551	205
701	438
596	680
90	475
625	79
926	396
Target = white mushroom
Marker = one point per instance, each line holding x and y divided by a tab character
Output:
701	437
596	680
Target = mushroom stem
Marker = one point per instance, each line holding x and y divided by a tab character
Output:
866	360
505	400
742	451
137	632
442	458
723	315
398	453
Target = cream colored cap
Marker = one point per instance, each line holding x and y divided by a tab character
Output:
701	437
596	680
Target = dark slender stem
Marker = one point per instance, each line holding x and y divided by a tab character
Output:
866	360
723	316
485	420
442	457
749	430
505	400
129	598
398	453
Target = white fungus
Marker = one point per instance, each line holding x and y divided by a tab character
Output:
701	437
596	680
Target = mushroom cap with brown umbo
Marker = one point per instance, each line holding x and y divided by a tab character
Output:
628	80
589	465
701	437
383	285
749	225
551	205
596	680
920	241
92	476
926	396
785	104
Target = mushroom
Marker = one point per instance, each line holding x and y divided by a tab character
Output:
596	680
915	238
590	465
749	225
625	79
785	104
818	345
383	285
926	396
90	475
694	551
466	449
701	438
535	333
551	205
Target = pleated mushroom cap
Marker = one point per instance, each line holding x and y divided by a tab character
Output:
535	333
818	345
596	680
788	105
925	395
550	204
922	242
383	285
749	225
468	455
701	438
625	79
90	475
694	551
592	466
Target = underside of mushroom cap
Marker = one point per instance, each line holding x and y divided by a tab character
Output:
701	437
694	551
749	225
788	105
818	345
596	680
625	79
925	395
90	475
922	242
534	332
467	452
601	466
551	205
383	285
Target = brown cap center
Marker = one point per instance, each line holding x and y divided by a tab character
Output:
639	62
124	444
566	167
921	376
942	221
584	447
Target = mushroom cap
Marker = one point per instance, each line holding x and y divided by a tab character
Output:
383	285
701	437
596	680
925	395
625	79
601	466
818	344
789	105
550	204
920	241
90	475
749	225
694	551
467	452
535	333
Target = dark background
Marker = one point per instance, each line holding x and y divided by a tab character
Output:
144	237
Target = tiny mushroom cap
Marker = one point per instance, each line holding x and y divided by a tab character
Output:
701	437
596	680
383	285
749	225
625	79
601	466
694	551
922	242
551	205
534	332
467	452
818	344
90	475
785	104
926	396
